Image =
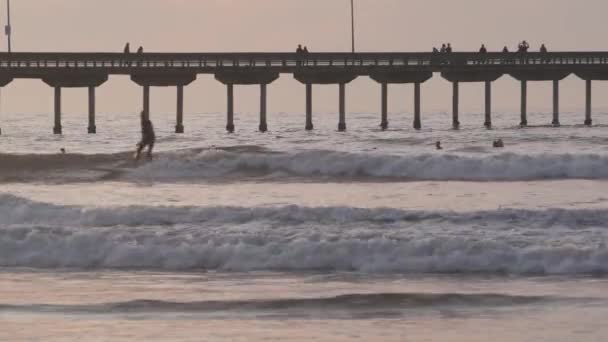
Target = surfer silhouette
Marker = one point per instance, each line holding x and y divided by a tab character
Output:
148	138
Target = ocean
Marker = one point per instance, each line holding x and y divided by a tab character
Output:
304	236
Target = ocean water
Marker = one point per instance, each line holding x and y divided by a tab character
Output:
304	236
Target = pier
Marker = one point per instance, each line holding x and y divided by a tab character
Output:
91	70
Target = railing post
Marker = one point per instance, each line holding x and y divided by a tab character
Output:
555	121
179	125
342	119
57	129
92	129
384	118
588	120
417	119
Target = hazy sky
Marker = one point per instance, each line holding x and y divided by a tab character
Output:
323	25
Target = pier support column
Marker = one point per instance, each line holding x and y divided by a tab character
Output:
57	129
455	105
179	117
309	125
524	104
146	111
230	114
488	120
417	119
263	123
555	121
92	129
588	120
384	114
342	119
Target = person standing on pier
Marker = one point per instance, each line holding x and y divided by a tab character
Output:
127	51
148	138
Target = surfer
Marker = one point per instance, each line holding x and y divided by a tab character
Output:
438	145
147	137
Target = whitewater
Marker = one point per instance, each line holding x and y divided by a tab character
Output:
304	235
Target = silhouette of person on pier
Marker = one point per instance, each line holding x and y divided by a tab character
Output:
127	51
148	138
299	53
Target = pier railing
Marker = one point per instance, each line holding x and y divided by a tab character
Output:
287	62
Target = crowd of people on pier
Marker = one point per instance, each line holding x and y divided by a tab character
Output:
522	48
301	53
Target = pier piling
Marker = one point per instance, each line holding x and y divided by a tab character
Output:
309	125
92	128
417	119
524	104
146	111
263	122
384	118
555	121
455	105
342	119
57	129
230	114
179	120
488	116
588	120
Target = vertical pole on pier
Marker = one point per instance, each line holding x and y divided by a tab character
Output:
179	122
588	120
417	119
384	119
263	122
488	120
309	125
455	105
342	119
555	121
146	111
92	129
57	128
524	104
230	116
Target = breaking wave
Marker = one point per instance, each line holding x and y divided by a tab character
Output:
546	242
257	163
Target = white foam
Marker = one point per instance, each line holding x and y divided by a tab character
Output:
294	238
496	167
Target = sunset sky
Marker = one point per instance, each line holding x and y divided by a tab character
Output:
322	25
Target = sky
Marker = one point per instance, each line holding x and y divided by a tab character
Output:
322	25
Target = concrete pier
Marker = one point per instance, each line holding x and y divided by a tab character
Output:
57	129
384	105
417	118
263	121
342	109
488	115
524	104
588	120
179	117
309	125
146	105
92	128
555	121
455	106
90	70
230	114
